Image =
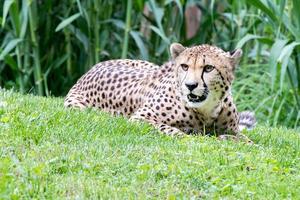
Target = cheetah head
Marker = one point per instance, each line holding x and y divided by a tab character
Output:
204	73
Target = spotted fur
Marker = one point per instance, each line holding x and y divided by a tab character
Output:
180	97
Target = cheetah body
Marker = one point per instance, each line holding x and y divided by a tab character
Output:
160	95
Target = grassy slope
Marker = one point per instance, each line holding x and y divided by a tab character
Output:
47	151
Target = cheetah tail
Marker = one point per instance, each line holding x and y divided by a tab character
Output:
247	120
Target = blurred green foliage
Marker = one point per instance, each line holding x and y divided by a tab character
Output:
47	45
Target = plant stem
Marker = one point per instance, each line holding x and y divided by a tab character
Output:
96	31
293	88
69	52
36	57
127	29
21	76
297	66
14	13
90	36
26	62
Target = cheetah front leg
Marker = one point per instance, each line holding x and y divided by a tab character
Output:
234	135
237	138
169	130
75	100
164	128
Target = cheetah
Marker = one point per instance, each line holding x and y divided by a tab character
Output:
190	94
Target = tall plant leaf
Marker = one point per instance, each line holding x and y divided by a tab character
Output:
274	55
24	18
6	6
263	7
83	12
10	46
80	36
284	59
296	13
158	14
161	34
139	42
67	21
247	38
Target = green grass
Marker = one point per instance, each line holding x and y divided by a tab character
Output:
49	152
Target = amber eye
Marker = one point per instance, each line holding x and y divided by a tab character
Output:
184	67
208	68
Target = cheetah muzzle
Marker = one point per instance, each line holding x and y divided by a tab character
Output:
190	93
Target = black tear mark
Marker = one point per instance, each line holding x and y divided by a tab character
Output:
204	84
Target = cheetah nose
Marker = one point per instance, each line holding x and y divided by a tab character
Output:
191	86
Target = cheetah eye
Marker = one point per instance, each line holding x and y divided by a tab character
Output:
208	68
185	67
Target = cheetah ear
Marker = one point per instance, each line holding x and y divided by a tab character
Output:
176	49
235	56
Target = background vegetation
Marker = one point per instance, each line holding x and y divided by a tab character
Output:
46	45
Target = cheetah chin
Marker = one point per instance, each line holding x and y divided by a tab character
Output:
195	98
